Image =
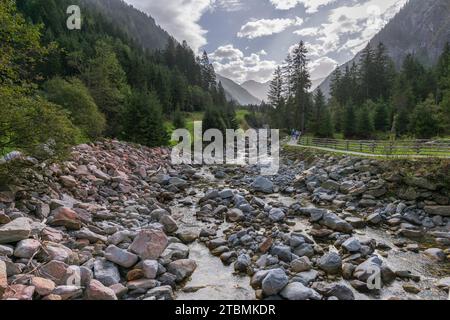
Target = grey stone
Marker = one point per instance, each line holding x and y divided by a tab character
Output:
436	254
331	262
27	248
352	245
296	291
235	215
306	277
262	184
368	268
333	222
182	269
274	282
150	268
168	223
301	264
276	215
443	211
106	272
120	256
242	263
16	230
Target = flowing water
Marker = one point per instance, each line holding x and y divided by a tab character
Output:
212	280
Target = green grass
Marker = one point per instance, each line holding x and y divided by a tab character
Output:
381	147
240	117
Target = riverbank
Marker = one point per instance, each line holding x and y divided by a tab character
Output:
118	221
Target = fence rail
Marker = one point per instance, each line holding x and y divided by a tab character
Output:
383	147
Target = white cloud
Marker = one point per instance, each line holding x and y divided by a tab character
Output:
350	28
266	27
228	5
322	67
308	32
227	52
178	17
231	62
311	6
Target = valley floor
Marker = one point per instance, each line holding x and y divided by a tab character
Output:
132	226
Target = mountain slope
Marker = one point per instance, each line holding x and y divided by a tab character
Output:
138	25
257	89
236	92
422	27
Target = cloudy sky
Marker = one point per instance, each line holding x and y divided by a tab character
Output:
247	39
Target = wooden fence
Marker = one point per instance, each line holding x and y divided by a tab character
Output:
438	148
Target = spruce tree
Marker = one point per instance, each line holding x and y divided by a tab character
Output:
143	120
275	95
381	117
300	84
364	123
424	120
349	121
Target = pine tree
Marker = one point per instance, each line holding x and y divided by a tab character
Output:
364	123
381	117
325	127
143	120
275	95
424	121
300	84
319	109
367	73
349	121
107	84
207	72
384	73
212	119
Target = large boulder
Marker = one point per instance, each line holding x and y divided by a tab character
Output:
262	184
438	210
27	248
352	245
182	269
106	272
97	291
120	256
65	217
330	262
333	222
149	244
15	230
368	268
276	215
274	282
297	291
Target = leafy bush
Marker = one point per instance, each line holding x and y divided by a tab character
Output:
34	126
73	96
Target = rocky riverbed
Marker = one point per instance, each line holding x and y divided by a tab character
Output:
118	221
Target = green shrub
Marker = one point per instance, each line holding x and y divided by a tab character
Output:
74	97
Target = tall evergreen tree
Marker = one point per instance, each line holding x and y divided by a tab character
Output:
300	84
107	83
349	127
143	120
275	95
381	117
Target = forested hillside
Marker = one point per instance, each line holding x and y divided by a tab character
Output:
421	28
370	99
94	82
132	21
